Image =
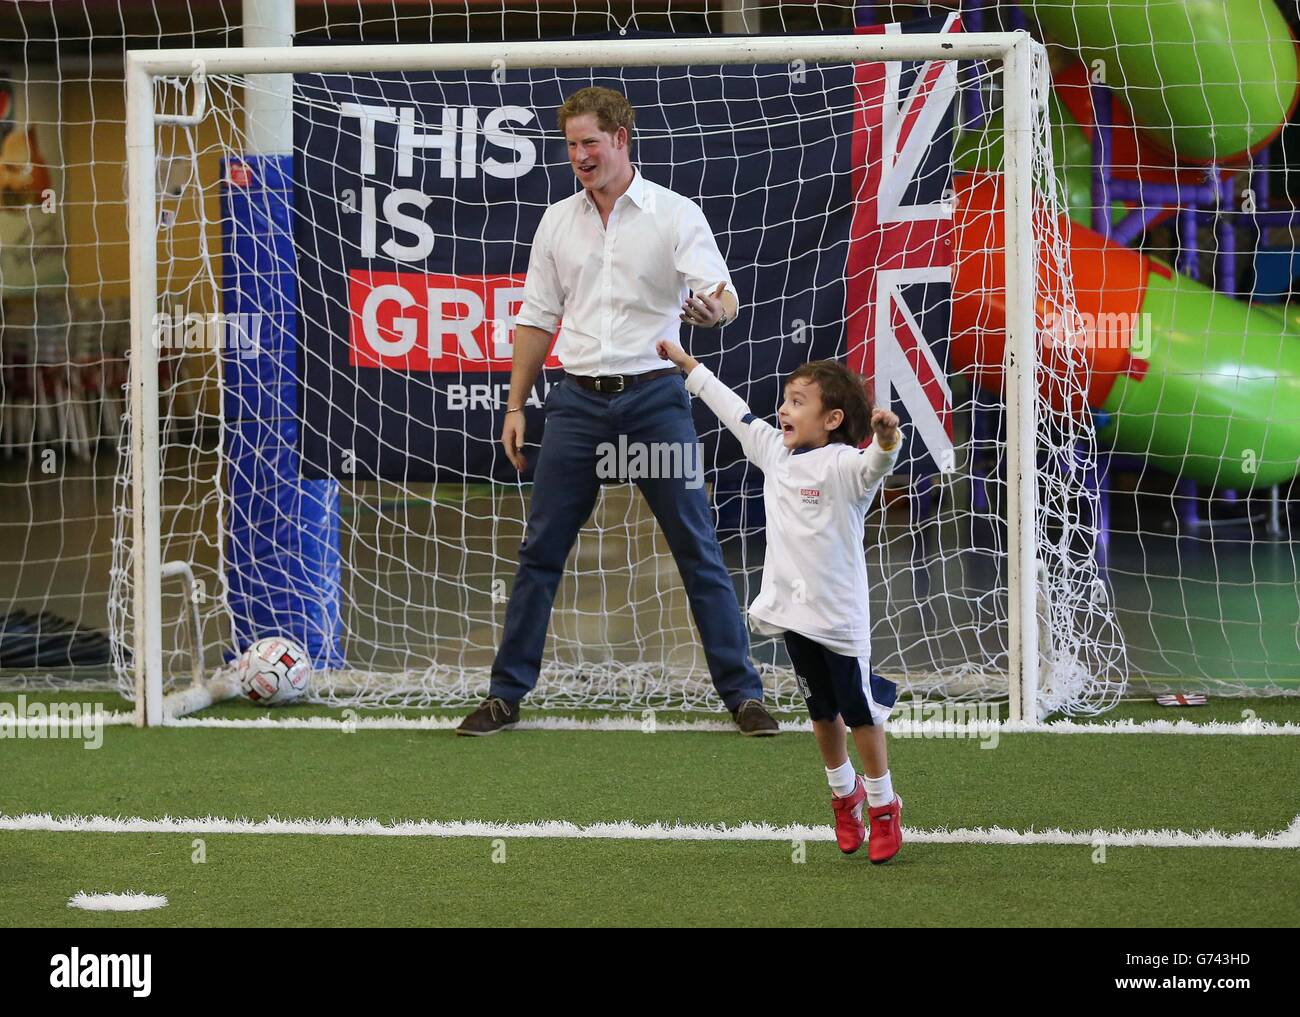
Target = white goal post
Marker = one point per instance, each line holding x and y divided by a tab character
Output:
1022	60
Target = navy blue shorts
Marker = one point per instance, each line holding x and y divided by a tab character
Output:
835	685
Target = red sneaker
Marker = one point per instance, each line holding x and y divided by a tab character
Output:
850	831
886	831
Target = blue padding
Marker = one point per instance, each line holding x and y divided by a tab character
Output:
260	290
282	538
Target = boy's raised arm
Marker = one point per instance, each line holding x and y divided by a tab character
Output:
867	469
760	441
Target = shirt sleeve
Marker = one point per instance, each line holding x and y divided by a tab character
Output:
543	305
696	254
760	441
862	471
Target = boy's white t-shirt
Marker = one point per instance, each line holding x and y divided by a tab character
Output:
816	501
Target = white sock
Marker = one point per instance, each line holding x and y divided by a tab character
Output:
880	790
843	779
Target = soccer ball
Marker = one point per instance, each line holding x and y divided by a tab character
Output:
274	671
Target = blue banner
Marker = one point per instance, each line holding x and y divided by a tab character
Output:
417	197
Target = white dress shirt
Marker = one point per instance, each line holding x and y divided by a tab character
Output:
619	288
816	501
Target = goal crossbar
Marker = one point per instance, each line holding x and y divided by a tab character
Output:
459	56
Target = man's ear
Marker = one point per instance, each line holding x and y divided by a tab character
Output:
621	138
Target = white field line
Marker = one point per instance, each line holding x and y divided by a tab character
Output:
129	901
636	722
27	727
337	827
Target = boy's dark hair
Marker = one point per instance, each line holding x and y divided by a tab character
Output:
610	108
841	389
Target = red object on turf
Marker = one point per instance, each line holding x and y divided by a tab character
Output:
886	831
850	831
1182	699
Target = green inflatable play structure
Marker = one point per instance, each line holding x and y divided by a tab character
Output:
1180	64
1209	386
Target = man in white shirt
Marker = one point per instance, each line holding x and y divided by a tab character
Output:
623	262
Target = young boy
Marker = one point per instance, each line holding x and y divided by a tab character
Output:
817	488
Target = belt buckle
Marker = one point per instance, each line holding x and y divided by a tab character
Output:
614	381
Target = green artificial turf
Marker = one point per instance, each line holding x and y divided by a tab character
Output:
349	881
1040	780
1029	781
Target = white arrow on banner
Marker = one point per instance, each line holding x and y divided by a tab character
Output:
894	372
926	108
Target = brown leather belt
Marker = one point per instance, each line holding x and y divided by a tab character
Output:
612	384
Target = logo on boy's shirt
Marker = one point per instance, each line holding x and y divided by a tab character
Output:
810	495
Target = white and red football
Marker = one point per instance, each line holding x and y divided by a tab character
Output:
274	671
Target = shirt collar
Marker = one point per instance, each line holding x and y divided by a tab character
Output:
636	192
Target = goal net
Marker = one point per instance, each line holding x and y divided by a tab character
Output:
335	241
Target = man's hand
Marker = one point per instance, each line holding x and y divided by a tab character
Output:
705	310
671	351
512	439
885	424
531	345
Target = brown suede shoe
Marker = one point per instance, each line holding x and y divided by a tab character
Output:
493	714
753	719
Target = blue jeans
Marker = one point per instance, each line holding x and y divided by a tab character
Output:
565	486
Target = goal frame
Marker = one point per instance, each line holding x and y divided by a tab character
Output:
1017	52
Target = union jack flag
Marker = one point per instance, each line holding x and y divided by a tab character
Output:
1182	699
899	271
